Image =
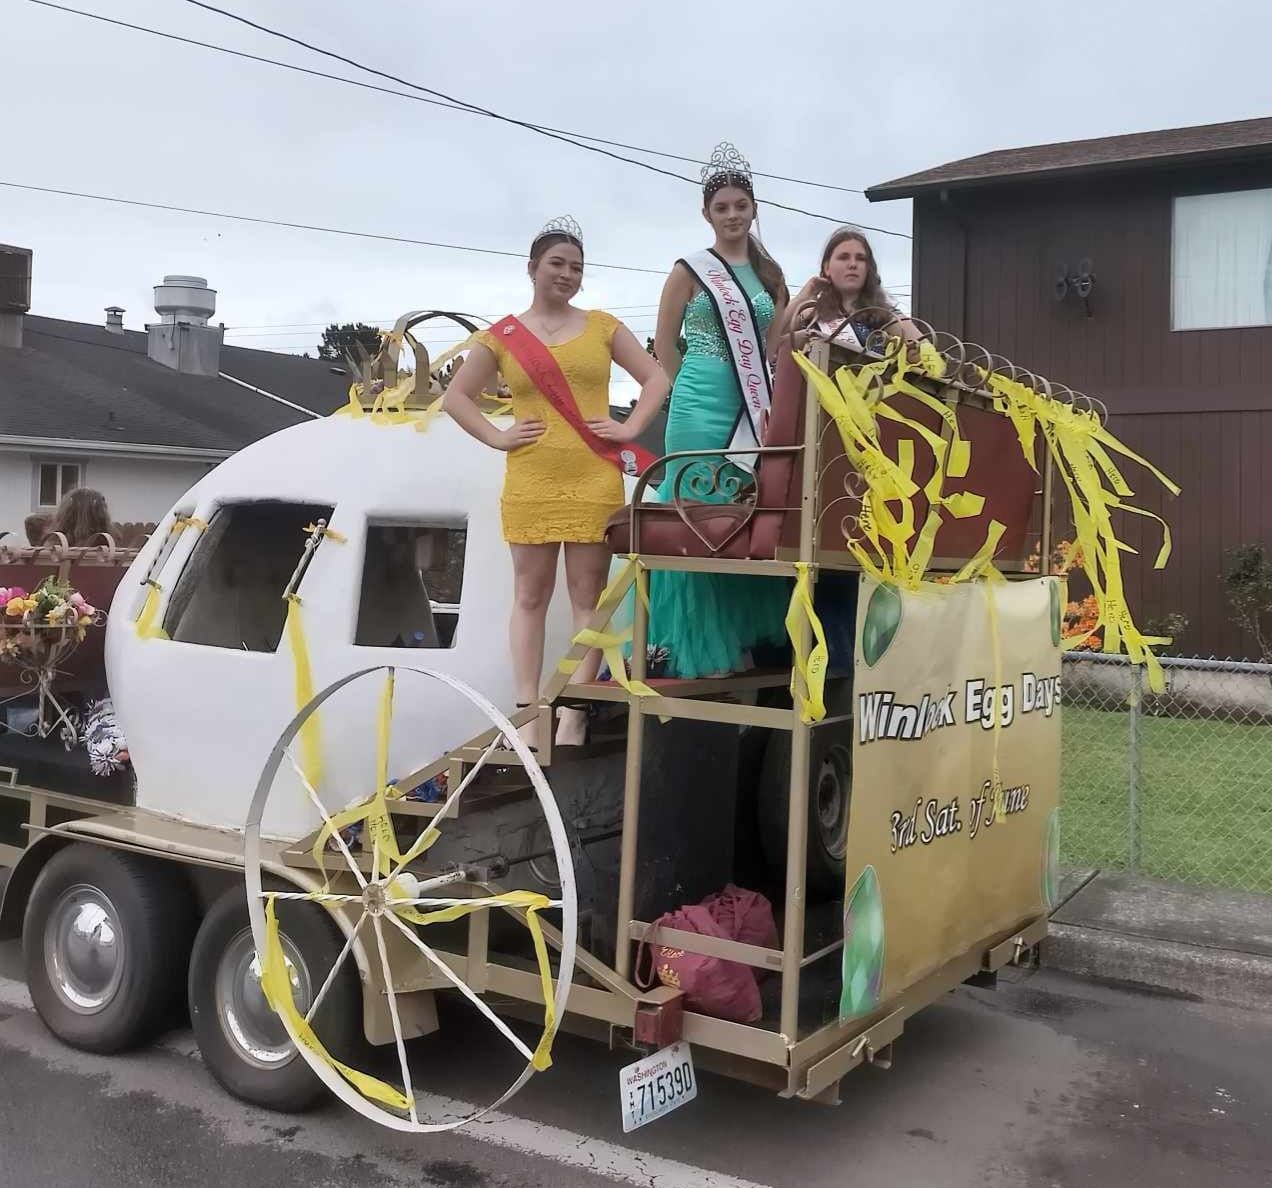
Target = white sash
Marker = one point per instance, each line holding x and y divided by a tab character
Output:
741	330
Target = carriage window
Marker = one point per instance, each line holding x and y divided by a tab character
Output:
412	578
230	593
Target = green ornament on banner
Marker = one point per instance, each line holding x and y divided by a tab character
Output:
883	617
863	946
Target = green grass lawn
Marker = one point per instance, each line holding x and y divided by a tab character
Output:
1205	798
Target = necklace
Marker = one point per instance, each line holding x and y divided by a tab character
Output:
551	331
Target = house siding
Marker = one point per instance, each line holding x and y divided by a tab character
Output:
1197	403
137	490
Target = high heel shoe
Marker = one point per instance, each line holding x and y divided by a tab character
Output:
588	710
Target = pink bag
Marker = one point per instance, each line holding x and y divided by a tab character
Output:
712	985
745	916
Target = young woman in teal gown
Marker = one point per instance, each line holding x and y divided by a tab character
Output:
707	623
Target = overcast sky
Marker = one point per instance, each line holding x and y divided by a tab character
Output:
841	94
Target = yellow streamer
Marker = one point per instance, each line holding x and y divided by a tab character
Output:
1080	449
146	627
310	743
276	986
531	903
808	674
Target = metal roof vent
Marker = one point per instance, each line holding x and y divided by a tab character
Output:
183	340
115	319
185	299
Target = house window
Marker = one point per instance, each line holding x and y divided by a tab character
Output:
1221	260
55	479
230	592
412	580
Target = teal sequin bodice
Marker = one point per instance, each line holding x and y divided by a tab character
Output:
702	330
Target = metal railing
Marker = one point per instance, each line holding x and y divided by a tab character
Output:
1176	785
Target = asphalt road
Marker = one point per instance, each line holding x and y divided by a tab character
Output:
1044	1083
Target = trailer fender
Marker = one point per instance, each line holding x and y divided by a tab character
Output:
17	890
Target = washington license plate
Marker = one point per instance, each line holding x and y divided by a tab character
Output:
656	1085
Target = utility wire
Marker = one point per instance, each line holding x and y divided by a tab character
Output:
494	115
567	137
239	218
456	106
384	321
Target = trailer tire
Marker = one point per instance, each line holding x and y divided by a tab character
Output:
242	1042
105	941
830	797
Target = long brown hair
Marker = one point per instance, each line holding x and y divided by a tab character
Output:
768	270
81	516
830	305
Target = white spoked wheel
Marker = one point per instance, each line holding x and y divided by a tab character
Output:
390	900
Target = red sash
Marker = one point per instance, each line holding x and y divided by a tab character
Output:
537	362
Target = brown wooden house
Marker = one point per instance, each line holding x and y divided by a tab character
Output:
1137	269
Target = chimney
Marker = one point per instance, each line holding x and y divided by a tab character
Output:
115	319
15	293
183	340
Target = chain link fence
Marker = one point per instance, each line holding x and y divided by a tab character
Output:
1176	785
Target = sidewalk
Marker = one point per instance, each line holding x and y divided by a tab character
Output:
1171	937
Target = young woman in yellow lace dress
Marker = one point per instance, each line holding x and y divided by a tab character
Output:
559	489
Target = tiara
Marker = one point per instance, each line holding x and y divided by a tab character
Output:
727	167
561	225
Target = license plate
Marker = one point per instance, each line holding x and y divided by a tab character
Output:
656	1085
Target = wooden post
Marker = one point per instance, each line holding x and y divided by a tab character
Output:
801	733
631	781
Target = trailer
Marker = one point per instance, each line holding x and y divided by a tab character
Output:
331	820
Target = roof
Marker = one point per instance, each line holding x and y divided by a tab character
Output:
79	382
1172	147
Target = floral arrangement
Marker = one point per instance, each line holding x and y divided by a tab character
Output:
1080	618
53	606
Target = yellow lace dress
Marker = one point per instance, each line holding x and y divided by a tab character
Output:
556	489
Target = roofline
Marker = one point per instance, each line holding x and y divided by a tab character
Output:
891	191
16	441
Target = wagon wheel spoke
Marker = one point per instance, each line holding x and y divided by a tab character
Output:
335	969
326	817
384	731
492	901
452	800
460	985
393	1014
316	896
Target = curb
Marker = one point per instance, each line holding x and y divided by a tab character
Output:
1188	971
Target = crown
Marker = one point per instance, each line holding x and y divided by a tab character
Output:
727	167
562	225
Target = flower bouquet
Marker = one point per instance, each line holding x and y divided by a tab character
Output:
38	630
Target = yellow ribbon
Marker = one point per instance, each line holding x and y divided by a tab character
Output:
310	742
808	673
532	903
276	986
145	625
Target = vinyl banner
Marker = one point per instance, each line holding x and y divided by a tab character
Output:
955	686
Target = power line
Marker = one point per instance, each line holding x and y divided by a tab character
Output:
385	321
462	104
457	106
220	214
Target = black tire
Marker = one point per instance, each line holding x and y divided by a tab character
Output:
287	1085
830	797
148	922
